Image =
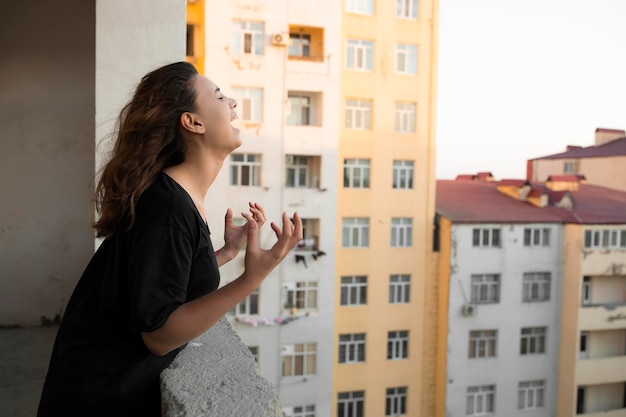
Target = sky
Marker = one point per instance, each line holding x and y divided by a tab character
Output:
521	79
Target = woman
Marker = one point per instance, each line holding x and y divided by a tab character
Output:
152	285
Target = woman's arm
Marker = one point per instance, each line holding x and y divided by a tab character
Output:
192	319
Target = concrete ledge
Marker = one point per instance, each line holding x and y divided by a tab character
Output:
215	375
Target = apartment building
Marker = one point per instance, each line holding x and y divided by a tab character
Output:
280	62
385	208
603	163
533	298
337	120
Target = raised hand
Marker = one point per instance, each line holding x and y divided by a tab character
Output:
260	262
235	236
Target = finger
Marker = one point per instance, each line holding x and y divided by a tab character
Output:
228	219
298	231
287	226
276	230
253	232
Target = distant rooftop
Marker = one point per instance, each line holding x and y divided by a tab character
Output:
608	142
474	201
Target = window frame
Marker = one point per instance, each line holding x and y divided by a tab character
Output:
355	232
358	114
486	237
483	344
401	232
533	340
480	396
538	283
249	103
363	7
355	291
531	392
395	401
405	116
308	352
359	55
356	173
406	58
399	289
402	174
537	237
246	168
351	404
248	34
397	345
352	348
490	295
407	9
251	303
302	295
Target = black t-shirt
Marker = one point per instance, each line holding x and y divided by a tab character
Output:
136	278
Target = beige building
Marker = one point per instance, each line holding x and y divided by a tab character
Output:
603	163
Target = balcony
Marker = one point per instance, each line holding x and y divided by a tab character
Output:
601	370
609	316
215	375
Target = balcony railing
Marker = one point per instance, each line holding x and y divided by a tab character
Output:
601	370
603	316
215	375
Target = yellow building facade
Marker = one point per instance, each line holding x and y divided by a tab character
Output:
384	361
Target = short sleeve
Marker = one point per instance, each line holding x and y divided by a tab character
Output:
160	259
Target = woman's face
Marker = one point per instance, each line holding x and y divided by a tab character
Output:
215	112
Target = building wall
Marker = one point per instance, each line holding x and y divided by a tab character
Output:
47	105
64	81
380	203
276	74
443	312
605	171
508	316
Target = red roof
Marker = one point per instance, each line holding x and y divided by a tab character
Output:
481	202
566	178
615	147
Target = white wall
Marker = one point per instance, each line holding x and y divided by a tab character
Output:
508	316
67	68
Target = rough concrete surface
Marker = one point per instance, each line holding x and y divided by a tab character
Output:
24	357
215	375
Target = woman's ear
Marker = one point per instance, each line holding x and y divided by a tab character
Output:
190	122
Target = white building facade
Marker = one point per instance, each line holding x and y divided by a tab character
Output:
280	63
503	319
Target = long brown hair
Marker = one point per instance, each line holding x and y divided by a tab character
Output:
148	140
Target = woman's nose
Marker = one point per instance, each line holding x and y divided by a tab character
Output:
233	103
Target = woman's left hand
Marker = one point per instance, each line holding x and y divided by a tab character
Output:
235	236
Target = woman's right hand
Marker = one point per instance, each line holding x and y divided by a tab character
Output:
260	262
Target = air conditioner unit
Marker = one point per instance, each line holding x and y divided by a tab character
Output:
469	310
280	39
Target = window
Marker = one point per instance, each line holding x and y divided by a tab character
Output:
531	395
401	232
568	167
486	237
356	173
355	232
586	293
406	58
359	55
353	290
399	288
301	295
191	50
255	353
398	344
533	340
297	171
351	404
360	6
395	404
300	45
403	174
405	117
352	348
299	359
358	114
247	38
245	169
481	400
249	306
299	411
300	110
485	288
249	103
583	349
482	343
407	9
536	286
605	239
536	237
